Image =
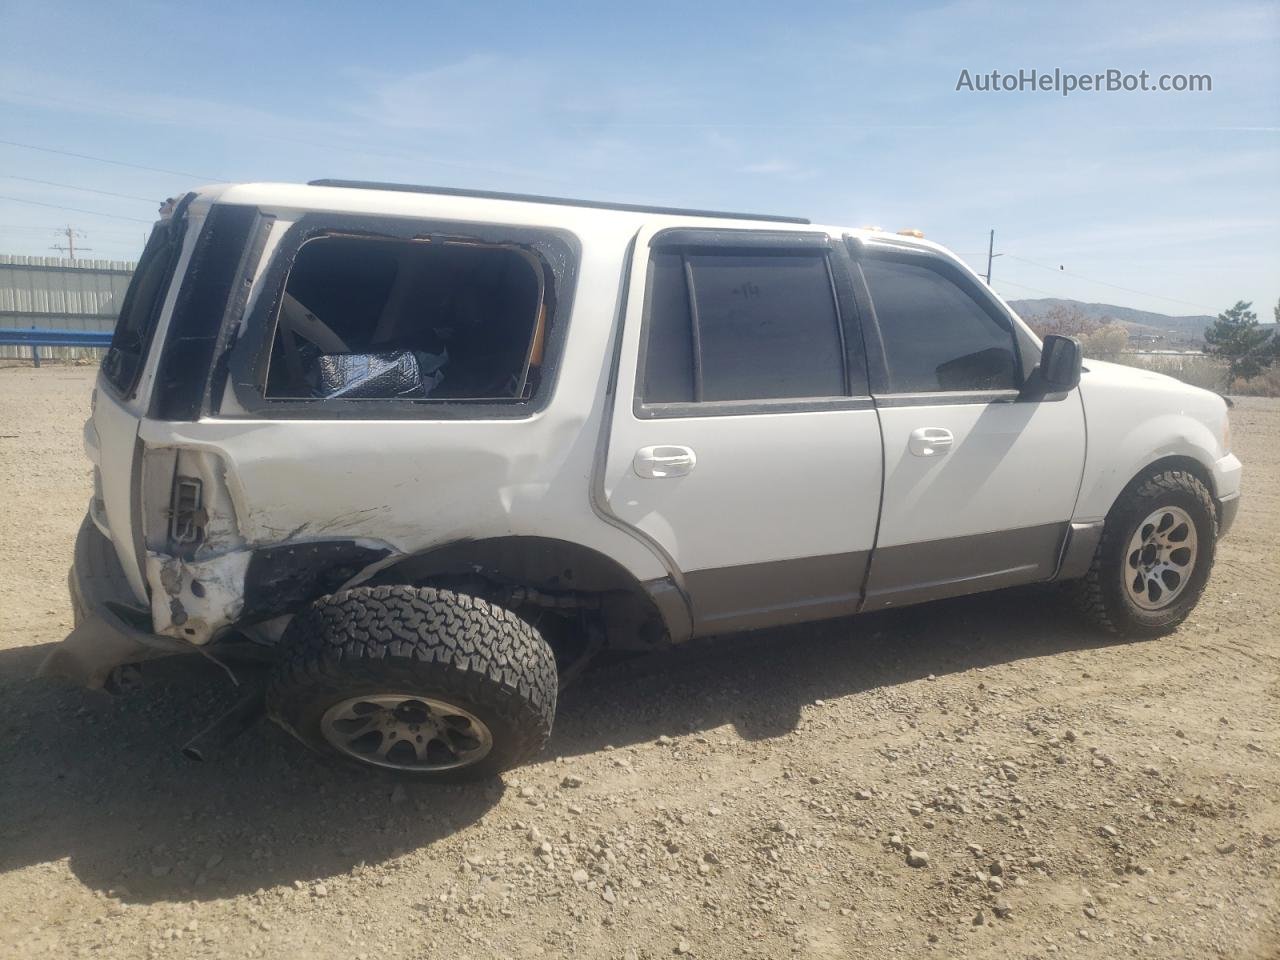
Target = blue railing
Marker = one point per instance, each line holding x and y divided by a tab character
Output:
35	339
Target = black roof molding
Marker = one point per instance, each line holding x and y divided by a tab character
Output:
557	201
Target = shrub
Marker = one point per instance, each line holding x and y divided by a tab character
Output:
1208	372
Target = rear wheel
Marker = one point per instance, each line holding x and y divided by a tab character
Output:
1154	558
422	682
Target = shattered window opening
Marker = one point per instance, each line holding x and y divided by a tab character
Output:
367	318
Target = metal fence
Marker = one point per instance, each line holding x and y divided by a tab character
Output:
55	294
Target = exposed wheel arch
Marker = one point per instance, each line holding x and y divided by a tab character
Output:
548	572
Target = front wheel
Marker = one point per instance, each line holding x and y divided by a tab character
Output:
422	682
1154	558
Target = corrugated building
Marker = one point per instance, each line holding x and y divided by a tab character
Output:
51	293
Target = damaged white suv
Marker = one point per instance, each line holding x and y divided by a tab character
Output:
429	449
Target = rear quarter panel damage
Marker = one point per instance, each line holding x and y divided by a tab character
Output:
193	599
230	578
400	486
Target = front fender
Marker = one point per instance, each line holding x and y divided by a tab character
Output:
1146	443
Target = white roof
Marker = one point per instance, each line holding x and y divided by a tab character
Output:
284	198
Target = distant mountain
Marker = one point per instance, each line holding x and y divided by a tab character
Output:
1141	323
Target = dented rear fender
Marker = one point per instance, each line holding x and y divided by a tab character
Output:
205	576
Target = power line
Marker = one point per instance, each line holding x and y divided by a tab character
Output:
1116	286
1010	283
71	186
10	228
50	233
92	213
117	163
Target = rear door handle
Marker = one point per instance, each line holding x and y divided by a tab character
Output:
931	441
664	460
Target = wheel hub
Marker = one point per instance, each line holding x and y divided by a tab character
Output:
400	731
1160	558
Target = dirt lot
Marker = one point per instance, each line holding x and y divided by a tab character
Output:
754	797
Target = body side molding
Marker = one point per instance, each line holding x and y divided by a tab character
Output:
934	569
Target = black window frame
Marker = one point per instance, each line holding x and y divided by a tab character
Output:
877	359
191	372
557	251
172	232
703	241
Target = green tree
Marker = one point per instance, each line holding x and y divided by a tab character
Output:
1237	338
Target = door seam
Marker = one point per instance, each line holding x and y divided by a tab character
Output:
875	538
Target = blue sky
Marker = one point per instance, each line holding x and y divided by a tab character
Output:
846	113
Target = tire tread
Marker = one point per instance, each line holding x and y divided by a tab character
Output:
478	650
1091	593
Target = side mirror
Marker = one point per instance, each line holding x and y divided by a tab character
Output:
1060	360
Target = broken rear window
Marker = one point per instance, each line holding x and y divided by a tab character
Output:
368	318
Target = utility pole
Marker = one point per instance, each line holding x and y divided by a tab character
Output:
70	233
991	254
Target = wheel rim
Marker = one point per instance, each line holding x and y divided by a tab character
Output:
401	731
1161	558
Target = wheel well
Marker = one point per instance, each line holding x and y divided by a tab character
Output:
1190	464
575	583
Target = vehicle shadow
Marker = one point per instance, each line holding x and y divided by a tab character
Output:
758	683
100	781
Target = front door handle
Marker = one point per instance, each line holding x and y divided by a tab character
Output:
931	441
662	461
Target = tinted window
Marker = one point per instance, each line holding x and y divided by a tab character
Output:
140	310
764	327
936	337
668	370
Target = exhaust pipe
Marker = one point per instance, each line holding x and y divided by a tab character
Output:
214	738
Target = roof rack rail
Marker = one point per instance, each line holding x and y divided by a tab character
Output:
558	201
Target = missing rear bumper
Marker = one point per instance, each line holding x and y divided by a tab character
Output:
109	624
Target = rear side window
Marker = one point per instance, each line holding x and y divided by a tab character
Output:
726	326
937	338
140	311
378	319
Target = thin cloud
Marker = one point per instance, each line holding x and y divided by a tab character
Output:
1253	25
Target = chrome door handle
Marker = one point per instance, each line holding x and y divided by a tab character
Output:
662	461
930	441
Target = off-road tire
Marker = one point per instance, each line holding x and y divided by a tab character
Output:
427	642
1100	595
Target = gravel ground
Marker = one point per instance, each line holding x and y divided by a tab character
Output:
979	778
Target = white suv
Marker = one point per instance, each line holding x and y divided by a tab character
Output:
428	448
